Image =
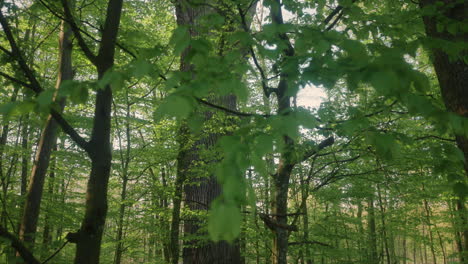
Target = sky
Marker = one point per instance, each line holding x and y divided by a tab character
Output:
310	96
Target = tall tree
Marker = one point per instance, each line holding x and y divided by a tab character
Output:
452	73
203	189
46	143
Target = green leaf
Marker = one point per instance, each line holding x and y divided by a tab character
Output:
385	82
386	145
263	144
180	39
45	98
224	221
195	123
178	106
76	91
7	108
113	78
141	68
460	189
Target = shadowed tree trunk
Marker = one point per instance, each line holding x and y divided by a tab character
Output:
203	188
46	143
452	74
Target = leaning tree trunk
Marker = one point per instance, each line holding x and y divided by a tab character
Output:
452	74
46	143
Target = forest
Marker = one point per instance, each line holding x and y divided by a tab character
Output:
234	131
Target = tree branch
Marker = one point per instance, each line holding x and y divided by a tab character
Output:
227	110
24	252
16	54
76	32
35	85
273	225
314	149
266	90
70	131
313	242
13	79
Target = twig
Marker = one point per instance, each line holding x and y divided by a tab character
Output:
229	110
56	252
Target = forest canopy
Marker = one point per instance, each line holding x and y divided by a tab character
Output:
233	131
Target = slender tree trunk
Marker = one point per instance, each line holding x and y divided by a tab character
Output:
305	221
178	190
125	161
120	224
373	259
46	143
47	232
384	226
431	235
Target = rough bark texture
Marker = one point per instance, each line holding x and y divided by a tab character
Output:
452	74
203	190
46	143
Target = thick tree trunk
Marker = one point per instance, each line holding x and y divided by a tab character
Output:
46	143
203	189
452	74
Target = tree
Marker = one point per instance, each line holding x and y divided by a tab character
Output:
213	129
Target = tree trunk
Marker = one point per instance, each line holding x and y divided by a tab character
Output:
452	74
372	231
305	221
88	239
46	143
203	189
47	232
125	161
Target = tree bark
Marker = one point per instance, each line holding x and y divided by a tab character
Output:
88	239
373	259
125	161
46	143
203	189
452	74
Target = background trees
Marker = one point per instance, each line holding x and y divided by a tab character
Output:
374	174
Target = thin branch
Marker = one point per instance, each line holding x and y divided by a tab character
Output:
332	14
5	51
329	27
15	53
35	85
327	142
309	243
24	252
436	137
76	31
45	38
56	252
266	90
222	108
70	131
13	79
